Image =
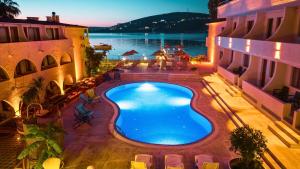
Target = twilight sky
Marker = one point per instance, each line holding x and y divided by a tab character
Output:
106	12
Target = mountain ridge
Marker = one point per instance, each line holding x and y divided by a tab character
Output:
175	22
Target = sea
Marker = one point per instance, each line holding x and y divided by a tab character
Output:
147	43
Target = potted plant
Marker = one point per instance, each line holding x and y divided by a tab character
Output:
250	145
43	144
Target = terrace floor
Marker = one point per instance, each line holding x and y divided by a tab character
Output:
94	145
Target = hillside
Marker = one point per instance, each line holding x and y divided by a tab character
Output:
178	22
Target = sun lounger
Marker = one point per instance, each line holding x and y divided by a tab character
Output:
137	165
92	95
201	159
85	99
174	161
82	115
144	158
207	165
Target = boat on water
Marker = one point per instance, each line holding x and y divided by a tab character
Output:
104	47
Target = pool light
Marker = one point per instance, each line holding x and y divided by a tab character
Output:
126	105
179	101
146	87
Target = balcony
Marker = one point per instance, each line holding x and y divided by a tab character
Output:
228	75
238	7
265	101
283	52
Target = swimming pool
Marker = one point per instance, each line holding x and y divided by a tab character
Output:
158	113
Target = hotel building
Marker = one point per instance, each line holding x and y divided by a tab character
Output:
257	49
32	48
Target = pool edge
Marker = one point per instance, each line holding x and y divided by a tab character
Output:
116	113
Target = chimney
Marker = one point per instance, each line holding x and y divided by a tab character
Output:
33	18
53	18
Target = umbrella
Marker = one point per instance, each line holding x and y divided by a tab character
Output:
179	47
158	53
183	55
167	46
129	53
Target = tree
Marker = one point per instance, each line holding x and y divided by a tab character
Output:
213	9
9	9
250	144
33	92
43	140
93	60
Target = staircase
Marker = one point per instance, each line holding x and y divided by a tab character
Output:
286	135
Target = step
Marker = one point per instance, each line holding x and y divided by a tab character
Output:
289	142
288	131
271	163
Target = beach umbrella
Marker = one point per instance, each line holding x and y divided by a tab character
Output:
158	53
130	53
167	46
179	46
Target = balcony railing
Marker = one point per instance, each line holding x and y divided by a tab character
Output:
229	8
279	51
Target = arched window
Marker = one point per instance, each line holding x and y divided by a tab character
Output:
52	90
24	67
6	110
3	75
65	59
48	62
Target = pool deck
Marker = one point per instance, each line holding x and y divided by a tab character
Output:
95	145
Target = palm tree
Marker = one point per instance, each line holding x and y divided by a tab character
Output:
213	9
33	92
9	9
44	141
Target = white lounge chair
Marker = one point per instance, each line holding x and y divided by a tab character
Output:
201	158
174	161
142	161
207	165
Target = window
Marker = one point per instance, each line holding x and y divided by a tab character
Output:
221	55
269	27
65	59
234	25
246	60
272	69
250	25
24	67
33	34
4	35
14	34
3	75
278	22
295	81
48	62
26	32
52	33
231	57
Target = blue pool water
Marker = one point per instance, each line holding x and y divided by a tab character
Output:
158	113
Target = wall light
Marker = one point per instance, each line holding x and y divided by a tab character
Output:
277	50
248	44
230	43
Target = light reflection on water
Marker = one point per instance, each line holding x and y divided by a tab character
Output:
146	44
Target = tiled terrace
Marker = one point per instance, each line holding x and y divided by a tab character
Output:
94	145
